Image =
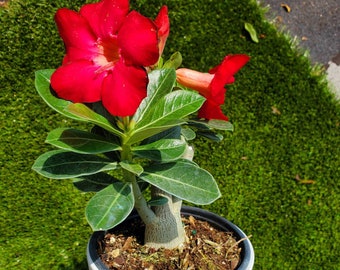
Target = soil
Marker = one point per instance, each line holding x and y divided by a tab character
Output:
206	248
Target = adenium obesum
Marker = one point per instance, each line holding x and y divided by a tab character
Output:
108	51
142	106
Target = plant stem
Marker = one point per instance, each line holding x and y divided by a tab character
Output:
163	224
141	206
145	213
167	231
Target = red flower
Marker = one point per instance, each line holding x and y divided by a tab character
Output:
163	25
107	48
211	85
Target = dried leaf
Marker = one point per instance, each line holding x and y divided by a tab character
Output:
128	243
115	253
275	110
4	3
252	32
192	221
286	7
211	243
279	19
307	181
304	181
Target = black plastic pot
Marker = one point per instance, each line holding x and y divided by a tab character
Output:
247	253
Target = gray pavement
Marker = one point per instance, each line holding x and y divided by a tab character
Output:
316	25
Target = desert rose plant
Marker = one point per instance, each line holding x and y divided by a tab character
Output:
143	111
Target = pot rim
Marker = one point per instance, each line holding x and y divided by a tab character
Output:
247	252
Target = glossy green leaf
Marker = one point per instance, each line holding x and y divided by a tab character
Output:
221	125
93	182
110	206
80	141
168	112
252	32
174	62
211	135
42	84
171	133
142	184
160	62
160	83
183	180
134	168
171	107
188	133
86	114
199	124
163	150
157	201
60	164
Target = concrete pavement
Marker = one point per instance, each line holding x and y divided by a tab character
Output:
316	25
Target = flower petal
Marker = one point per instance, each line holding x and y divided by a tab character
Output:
79	40
78	82
124	89
211	110
224	73
163	25
138	41
195	80
106	16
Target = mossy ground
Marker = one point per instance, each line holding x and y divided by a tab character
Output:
286	124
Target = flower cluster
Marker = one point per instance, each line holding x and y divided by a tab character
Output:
109	50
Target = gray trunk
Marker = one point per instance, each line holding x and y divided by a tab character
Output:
167	230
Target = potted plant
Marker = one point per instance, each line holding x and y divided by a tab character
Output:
143	111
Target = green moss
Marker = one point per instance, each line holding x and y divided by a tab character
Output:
293	225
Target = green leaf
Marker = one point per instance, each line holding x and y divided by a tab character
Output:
157	201
110	206
183	180
142	184
166	113
171	133
60	164
188	133
160	62
211	135
252	32
221	125
164	150
199	124
42	84
80	141
132	167
94	182
175	61
160	83
86	114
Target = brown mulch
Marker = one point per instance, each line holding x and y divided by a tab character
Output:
206	248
